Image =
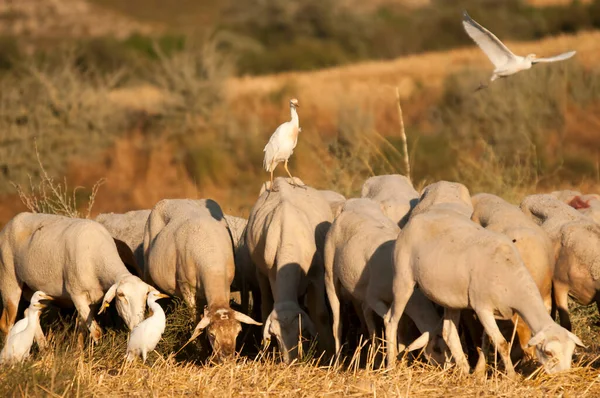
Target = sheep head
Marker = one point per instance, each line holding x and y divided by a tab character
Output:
554	346
131	293
285	322
222	327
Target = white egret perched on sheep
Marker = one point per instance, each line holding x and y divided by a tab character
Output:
282	143
146	335
505	62
20	337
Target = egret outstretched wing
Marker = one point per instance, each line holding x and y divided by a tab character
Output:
560	57
496	51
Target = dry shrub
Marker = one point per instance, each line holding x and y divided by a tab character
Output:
64	108
51	197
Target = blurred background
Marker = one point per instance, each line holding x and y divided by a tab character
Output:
178	98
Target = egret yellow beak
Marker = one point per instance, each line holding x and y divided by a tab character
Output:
46	297
162	295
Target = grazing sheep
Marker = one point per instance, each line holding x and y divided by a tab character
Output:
188	253
285	235
588	205
359	265
128	229
245	280
576	240
335	200
495	214
459	264
396	194
73	260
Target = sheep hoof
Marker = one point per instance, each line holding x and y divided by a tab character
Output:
479	371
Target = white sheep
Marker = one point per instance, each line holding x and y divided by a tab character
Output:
245	280
285	235
73	260
127	229
359	265
576	240
396	194
533	243
588	205
460	265
188	253
335	200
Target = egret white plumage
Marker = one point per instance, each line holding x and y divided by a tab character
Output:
505	62
282	143
20	337
146	335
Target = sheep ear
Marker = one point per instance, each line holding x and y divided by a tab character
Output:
266	329
576	339
108	297
204	322
419	343
245	318
537	339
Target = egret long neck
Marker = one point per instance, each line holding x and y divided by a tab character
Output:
294	115
32	320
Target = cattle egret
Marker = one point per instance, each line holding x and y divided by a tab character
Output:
20	337
505	62
146	335
282	143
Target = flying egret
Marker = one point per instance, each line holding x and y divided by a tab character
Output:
282	143
146	335
20	337
505	62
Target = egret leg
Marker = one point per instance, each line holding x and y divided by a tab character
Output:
290	174
272	186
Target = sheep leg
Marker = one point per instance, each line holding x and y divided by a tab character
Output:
266	296
334	303
561	297
11	294
83	308
369	317
450	336
491	328
317	310
403	290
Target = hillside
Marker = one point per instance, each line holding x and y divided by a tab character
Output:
223	160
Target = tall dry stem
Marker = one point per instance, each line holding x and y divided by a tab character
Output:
403	135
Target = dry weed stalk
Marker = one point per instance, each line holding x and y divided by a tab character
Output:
54	198
403	135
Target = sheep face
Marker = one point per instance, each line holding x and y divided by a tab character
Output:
285	324
554	346
222	326
131	293
222	332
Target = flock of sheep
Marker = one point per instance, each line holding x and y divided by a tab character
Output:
448	261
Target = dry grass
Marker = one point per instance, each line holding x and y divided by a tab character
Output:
66	369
